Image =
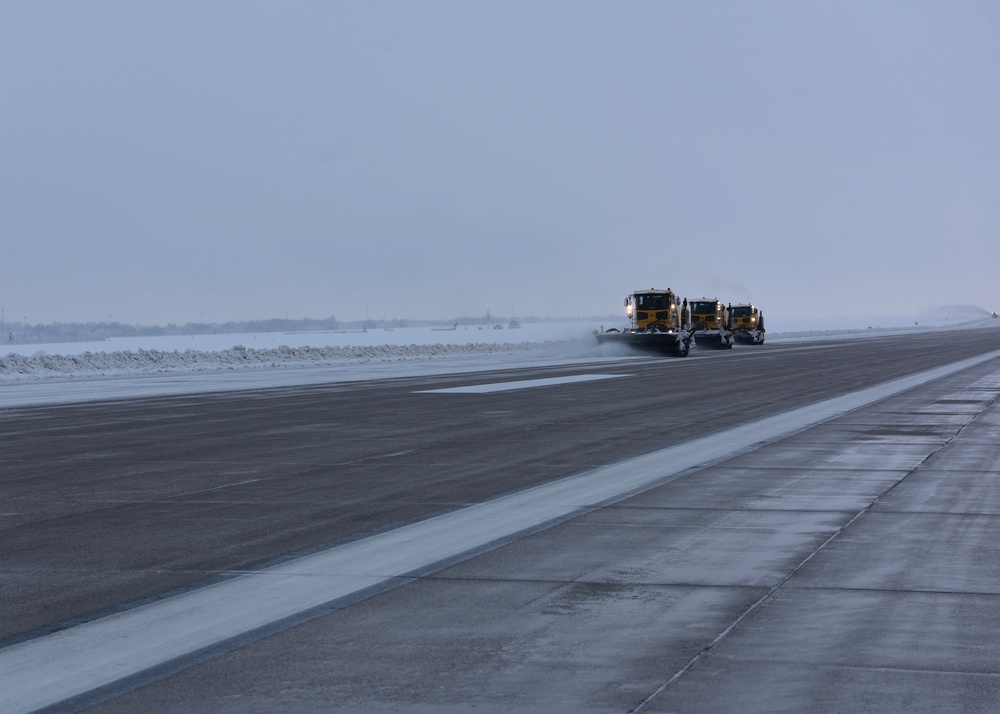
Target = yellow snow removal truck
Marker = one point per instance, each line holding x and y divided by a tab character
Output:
747	324
658	321
710	320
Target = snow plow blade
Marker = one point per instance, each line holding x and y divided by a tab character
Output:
674	343
749	337
714	339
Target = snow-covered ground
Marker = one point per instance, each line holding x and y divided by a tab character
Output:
148	366
143	366
399	337
227	352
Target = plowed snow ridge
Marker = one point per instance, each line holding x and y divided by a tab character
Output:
16	367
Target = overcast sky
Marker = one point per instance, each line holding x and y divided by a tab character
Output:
171	161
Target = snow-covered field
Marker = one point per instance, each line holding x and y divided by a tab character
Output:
225	352
147	366
143	366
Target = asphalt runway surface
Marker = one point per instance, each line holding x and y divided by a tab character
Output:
847	565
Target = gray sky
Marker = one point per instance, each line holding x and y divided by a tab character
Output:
161	161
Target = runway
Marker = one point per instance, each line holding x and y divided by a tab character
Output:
627	595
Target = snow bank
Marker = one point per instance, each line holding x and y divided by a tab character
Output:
17	367
217	353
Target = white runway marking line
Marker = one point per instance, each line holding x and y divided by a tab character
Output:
521	384
53	668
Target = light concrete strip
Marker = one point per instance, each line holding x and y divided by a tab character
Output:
520	384
56	667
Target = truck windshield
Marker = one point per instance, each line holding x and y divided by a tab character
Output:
652	302
742	311
702	307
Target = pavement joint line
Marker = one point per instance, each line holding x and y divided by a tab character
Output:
62	665
743	616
